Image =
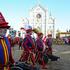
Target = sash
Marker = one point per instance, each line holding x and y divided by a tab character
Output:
5	51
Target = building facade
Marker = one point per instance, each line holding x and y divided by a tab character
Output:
39	18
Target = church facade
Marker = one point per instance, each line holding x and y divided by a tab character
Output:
39	18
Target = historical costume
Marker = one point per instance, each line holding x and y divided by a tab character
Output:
5	48
29	46
41	57
49	43
48	49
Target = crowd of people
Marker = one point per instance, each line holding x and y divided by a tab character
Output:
34	50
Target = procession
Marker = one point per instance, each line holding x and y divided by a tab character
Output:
34	51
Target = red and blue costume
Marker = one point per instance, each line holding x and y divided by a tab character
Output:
5	53
49	44
5	47
40	47
29	48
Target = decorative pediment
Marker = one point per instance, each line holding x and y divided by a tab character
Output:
38	8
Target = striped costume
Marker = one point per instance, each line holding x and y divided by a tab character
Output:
5	54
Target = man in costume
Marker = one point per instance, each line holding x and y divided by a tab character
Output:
48	43
29	46
48	49
5	48
40	47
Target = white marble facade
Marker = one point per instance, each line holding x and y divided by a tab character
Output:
39	19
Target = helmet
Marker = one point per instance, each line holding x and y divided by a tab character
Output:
28	28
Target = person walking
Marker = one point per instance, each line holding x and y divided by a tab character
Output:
28	46
40	47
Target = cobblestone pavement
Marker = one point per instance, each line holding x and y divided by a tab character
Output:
63	51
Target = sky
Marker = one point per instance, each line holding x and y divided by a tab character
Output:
15	10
